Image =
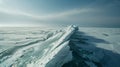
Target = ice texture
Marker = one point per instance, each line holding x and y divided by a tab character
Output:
37	53
67	47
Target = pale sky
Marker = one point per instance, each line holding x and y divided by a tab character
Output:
85	13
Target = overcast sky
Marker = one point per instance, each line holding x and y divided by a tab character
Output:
88	13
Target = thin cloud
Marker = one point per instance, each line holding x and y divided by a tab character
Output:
45	17
65	14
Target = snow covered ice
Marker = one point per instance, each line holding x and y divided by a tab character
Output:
69	47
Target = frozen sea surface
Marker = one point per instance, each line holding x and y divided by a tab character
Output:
66	47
